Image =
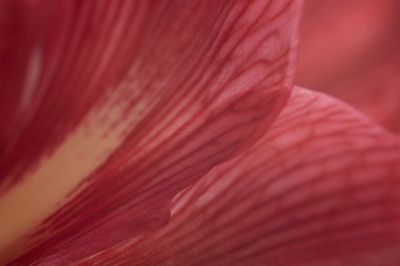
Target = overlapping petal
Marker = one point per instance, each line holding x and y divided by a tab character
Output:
320	188
376	93
110	108
350	49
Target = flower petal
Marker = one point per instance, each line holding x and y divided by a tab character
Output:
376	93
321	188
116	106
358	60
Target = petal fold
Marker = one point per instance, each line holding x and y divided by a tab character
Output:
320	188
123	104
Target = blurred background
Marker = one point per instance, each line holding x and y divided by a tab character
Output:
351	49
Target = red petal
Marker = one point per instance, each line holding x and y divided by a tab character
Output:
116	106
350	49
376	93
321	188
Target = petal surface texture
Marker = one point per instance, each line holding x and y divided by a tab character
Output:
320	188
110	108
351	50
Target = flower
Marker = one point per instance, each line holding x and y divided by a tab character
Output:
358	60
170	133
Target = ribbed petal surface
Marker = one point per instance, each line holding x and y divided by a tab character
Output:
109	108
320	188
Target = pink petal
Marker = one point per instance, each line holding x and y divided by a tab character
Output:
320	188
376	93
110	108
350	49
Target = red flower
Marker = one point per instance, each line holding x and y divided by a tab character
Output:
351	49
139	133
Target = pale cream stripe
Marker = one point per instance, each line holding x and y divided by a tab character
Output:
28	203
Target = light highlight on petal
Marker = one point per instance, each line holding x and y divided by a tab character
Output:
135	101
